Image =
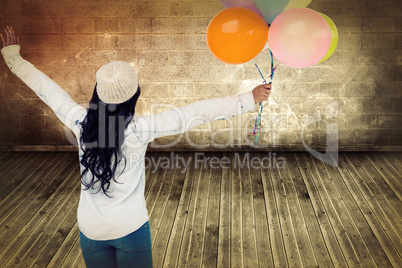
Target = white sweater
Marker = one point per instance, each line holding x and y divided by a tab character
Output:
101	217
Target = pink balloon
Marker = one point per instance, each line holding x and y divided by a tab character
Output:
299	37
241	3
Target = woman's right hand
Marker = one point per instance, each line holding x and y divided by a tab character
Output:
10	39
261	92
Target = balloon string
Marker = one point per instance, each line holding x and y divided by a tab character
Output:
260	73
257	124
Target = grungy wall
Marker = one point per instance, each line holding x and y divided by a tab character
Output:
357	92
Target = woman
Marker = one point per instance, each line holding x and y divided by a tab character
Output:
112	215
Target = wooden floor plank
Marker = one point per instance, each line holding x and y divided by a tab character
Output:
380	185
15	163
16	173
176	237
18	161
354	169
395	158
374	225
250	256
154	189
35	185
5	156
210	254
285	218
58	237
330	235
34	212
344	212
46	224
161	201
263	244
64	250
27	185
30	205
223	258
380	205
339	218
319	248
51	236
393	161
392	178
79	263
42	159
236	246
274	225
185	246
299	225
74	257
156	200
196	251
163	236
150	172
11	162
358	218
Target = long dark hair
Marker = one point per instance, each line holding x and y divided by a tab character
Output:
102	135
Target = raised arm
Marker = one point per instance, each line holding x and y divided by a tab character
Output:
66	109
181	119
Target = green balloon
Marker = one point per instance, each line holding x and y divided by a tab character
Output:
271	8
334	37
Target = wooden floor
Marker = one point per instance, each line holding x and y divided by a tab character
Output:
256	210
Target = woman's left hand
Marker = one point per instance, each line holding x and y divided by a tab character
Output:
10	39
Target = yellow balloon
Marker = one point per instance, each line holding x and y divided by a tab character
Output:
297	3
334	38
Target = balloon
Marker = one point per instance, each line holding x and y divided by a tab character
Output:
241	3
271	8
236	35
297	3
334	38
299	37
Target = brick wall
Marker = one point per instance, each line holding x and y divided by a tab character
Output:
70	39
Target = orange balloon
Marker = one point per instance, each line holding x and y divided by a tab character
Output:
236	35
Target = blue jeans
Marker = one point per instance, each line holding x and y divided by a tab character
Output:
133	250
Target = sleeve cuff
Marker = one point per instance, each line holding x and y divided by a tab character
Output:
10	52
247	100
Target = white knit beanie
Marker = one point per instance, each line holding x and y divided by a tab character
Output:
116	82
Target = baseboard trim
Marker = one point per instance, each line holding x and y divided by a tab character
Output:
283	148
40	148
